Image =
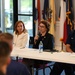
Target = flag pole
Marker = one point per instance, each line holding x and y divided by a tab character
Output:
62	46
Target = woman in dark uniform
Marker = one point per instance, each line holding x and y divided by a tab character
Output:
44	36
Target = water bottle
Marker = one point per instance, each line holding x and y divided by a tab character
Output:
40	47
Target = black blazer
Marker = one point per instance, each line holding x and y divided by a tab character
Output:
48	42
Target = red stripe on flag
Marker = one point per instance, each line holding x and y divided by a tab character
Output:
65	32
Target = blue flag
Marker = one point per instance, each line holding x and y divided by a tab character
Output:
46	8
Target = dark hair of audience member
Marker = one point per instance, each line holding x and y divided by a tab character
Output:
7	37
4	52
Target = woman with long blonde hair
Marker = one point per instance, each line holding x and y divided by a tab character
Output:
21	36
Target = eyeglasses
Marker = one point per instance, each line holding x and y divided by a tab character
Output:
42	26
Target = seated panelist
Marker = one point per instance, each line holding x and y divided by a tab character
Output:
21	36
70	47
44	36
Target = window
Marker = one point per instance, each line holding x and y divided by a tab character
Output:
6	17
8	13
25	13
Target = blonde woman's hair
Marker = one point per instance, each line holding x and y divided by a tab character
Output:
24	30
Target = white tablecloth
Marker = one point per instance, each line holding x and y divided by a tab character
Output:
64	57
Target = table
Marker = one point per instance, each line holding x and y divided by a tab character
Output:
64	57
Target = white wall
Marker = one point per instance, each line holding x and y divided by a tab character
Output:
57	36
58	43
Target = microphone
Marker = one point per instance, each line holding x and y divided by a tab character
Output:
39	34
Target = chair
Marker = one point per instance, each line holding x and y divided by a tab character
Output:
43	66
31	40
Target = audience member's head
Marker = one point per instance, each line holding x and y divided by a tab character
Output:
6	40
4	56
7	37
19	27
